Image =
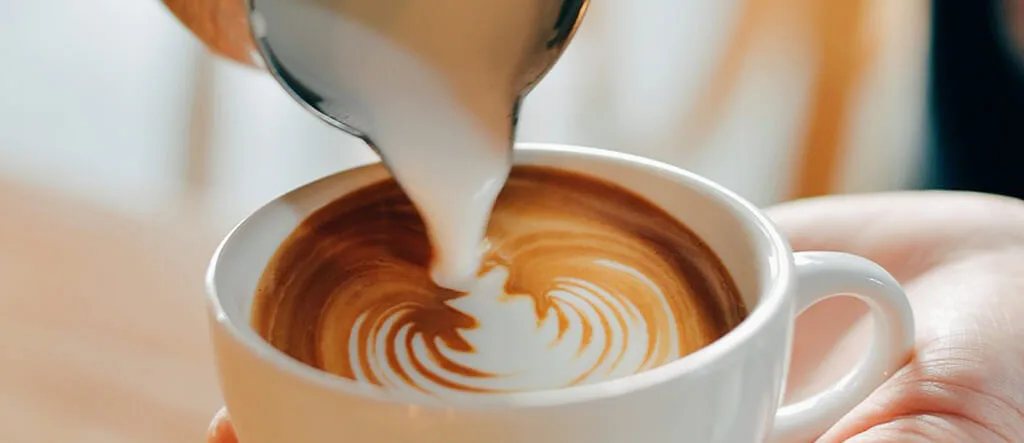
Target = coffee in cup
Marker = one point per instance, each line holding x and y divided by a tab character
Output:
582	281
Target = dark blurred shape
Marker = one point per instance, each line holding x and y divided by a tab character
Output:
976	100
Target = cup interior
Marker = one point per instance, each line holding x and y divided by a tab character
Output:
755	255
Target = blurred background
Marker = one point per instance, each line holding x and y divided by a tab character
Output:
127	151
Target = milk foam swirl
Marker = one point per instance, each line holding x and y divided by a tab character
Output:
582	281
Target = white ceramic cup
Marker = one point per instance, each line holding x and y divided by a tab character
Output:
729	391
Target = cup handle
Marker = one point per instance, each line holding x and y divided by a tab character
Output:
822	275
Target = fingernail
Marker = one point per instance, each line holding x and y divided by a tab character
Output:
217	430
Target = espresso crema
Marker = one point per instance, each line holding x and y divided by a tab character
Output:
582	281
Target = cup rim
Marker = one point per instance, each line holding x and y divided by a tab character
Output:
773	287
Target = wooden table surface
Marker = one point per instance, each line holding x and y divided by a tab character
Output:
103	336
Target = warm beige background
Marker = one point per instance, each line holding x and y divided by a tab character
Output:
126	152
102	333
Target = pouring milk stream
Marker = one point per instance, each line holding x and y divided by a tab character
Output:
434	86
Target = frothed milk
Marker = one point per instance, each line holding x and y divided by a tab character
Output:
434	86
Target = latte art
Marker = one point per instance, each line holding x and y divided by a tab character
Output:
581	282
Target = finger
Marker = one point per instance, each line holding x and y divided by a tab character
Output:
917	408
220	429
220	25
906	232
928	428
